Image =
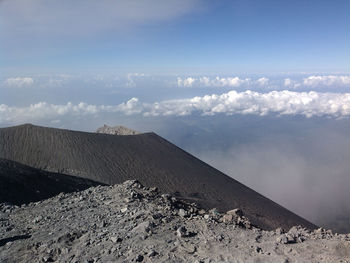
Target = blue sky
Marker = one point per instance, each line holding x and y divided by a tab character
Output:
191	36
156	57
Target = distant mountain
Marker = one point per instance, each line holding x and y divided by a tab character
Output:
21	184
146	157
116	130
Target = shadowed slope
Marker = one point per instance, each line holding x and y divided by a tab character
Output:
21	184
146	157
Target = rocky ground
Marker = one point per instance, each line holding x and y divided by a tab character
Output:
132	223
116	130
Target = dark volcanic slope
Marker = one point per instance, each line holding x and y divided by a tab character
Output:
21	184
146	157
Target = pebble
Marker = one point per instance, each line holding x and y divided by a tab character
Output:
182	212
181	231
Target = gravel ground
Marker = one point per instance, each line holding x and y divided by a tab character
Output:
132	223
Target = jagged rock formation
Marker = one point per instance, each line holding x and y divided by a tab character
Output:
21	184
116	130
132	223
146	157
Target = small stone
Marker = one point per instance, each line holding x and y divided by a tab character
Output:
279	231
206	216
37	219
123	210
139	258
182	212
181	231
189	248
201	212
153	189
282	239
319	230
214	211
142	227
227	218
235	212
47	259
152	253
116	239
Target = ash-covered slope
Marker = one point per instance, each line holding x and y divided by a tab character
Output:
146	157
21	184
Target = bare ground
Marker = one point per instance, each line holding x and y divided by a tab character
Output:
132	223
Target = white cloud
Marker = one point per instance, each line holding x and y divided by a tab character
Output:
186	82
263	81
211	82
276	102
130	79
235	82
316	81
19	82
287	82
248	102
291	84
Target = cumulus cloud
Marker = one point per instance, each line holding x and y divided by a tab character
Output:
130	78
276	102
186	82
291	84
46	111
19	82
315	81
211	82
287	82
263	81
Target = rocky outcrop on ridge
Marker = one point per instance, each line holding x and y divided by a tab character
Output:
116	130
132	223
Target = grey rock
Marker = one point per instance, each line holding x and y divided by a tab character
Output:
139	258
116	130
116	239
37	219
142	227
235	212
182	212
152	253
181	231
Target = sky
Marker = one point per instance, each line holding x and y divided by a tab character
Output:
182	36
258	89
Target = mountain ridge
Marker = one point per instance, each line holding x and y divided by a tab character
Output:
147	157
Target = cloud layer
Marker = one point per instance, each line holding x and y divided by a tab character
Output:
307	104
216	82
19	82
314	81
